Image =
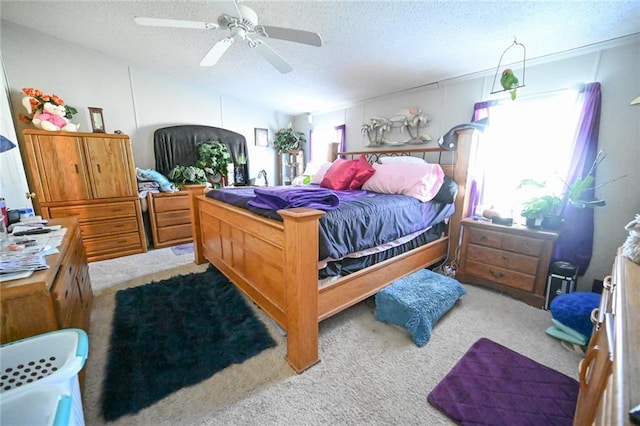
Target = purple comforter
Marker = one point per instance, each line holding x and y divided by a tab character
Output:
286	197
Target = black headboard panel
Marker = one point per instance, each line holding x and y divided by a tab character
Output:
178	145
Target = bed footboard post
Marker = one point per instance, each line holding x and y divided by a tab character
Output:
463	174
301	285
198	252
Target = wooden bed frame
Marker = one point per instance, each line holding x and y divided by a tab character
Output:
276	263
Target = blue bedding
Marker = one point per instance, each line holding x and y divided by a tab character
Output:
359	222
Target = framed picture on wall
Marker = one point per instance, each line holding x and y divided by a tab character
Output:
261	136
97	122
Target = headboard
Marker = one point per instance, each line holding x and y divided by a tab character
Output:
178	145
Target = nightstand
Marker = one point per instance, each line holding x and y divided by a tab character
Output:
511	259
170	218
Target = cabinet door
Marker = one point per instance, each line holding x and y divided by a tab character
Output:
60	172
110	166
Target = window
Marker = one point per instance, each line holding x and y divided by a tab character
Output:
320	140
527	139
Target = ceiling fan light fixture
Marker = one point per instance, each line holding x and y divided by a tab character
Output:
242	23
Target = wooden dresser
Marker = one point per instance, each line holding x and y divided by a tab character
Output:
170	218
610	372
51	299
91	176
511	259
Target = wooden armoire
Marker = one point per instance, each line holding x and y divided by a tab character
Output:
91	176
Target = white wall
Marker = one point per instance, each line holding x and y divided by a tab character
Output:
13	182
615	65
137	101
134	100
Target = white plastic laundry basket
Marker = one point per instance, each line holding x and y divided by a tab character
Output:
39	379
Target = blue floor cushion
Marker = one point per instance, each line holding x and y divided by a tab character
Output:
417	301
573	310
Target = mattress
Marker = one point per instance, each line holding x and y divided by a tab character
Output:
359	223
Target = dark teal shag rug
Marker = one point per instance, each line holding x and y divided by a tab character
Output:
175	333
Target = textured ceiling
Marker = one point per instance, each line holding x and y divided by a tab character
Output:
371	48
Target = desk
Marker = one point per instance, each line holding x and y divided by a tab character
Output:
51	299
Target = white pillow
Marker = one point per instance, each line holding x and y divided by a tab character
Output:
406	159
421	181
322	170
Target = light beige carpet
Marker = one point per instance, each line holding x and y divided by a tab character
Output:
370	373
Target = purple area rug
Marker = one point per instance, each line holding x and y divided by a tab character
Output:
493	385
181	249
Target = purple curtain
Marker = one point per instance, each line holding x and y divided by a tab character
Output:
481	110
575	243
342	137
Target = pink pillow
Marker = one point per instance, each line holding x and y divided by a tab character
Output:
340	174
363	172
322	170
421	181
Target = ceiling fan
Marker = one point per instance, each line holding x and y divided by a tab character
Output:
242	23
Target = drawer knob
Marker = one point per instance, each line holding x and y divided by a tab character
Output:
505	257
496	274
483	237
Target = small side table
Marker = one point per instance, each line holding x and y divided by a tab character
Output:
511	259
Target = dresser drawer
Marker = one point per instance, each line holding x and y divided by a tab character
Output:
501	275
170	203
65	294
178	233
101	245
171	218
503	241
109	227
504	259
96	211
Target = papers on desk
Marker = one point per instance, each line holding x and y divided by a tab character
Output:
28	259
22	263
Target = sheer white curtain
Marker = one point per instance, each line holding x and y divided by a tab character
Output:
528	139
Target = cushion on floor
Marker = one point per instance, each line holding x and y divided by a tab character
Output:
562	332
573	310
417	301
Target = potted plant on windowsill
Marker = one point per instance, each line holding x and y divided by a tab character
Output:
546	211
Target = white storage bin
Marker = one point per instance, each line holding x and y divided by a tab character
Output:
39	379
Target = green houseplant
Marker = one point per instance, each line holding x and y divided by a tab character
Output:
548	209
288	139
184	175
213	158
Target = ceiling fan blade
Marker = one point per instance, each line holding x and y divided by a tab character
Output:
218	49
271	56
175	23
289	34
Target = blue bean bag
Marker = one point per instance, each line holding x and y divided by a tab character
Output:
571	316
417	301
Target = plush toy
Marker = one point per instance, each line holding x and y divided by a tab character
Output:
47	112
52	118
631	247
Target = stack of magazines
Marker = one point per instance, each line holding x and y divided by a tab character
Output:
29	258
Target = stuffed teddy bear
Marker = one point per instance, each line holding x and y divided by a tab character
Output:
52	118
631	247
